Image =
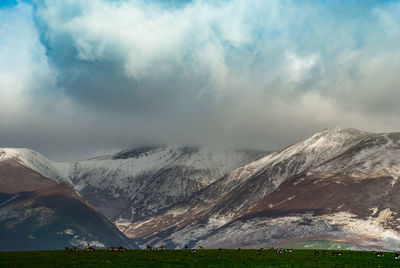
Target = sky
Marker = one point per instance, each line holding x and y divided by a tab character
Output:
82	78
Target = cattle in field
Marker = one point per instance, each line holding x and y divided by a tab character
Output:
66	249
89	248
397	256
112	248
121	249
73	249
316	253
149	247
279	250
289	250
200	247
339	253
379	254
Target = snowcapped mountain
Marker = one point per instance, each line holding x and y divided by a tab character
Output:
38	213
37	162
139	182
337	185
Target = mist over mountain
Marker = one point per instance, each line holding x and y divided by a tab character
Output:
338	185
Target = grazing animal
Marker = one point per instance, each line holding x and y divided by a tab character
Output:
316	253
112	248
397	256
149	247
339	253
66	249
200	247
290	250
379	254
279	250
89	248
73	249
239	249
194	250
186	247
162	247
121	249
219	248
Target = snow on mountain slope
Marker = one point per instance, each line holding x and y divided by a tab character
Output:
341	227
340	184
38	213
138	182
236	192
378	154
320	174
39	163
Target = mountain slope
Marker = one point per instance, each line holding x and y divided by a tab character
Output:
339	185
139	182
11	169
150	179
37	213
329	186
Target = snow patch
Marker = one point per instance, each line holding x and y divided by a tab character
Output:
81	242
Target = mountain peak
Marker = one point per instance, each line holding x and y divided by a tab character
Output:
7	153
138	151
342	130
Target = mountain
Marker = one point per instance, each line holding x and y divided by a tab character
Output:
140	182
38	213
338	185
337	188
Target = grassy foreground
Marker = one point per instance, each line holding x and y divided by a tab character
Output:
201	258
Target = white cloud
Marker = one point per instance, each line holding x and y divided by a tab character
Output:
23	64
300	66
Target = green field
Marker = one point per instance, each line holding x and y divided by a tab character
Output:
201	258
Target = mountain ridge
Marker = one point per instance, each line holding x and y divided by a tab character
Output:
339	184
312	154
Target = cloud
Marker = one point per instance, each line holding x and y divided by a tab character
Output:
263	74
299	67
